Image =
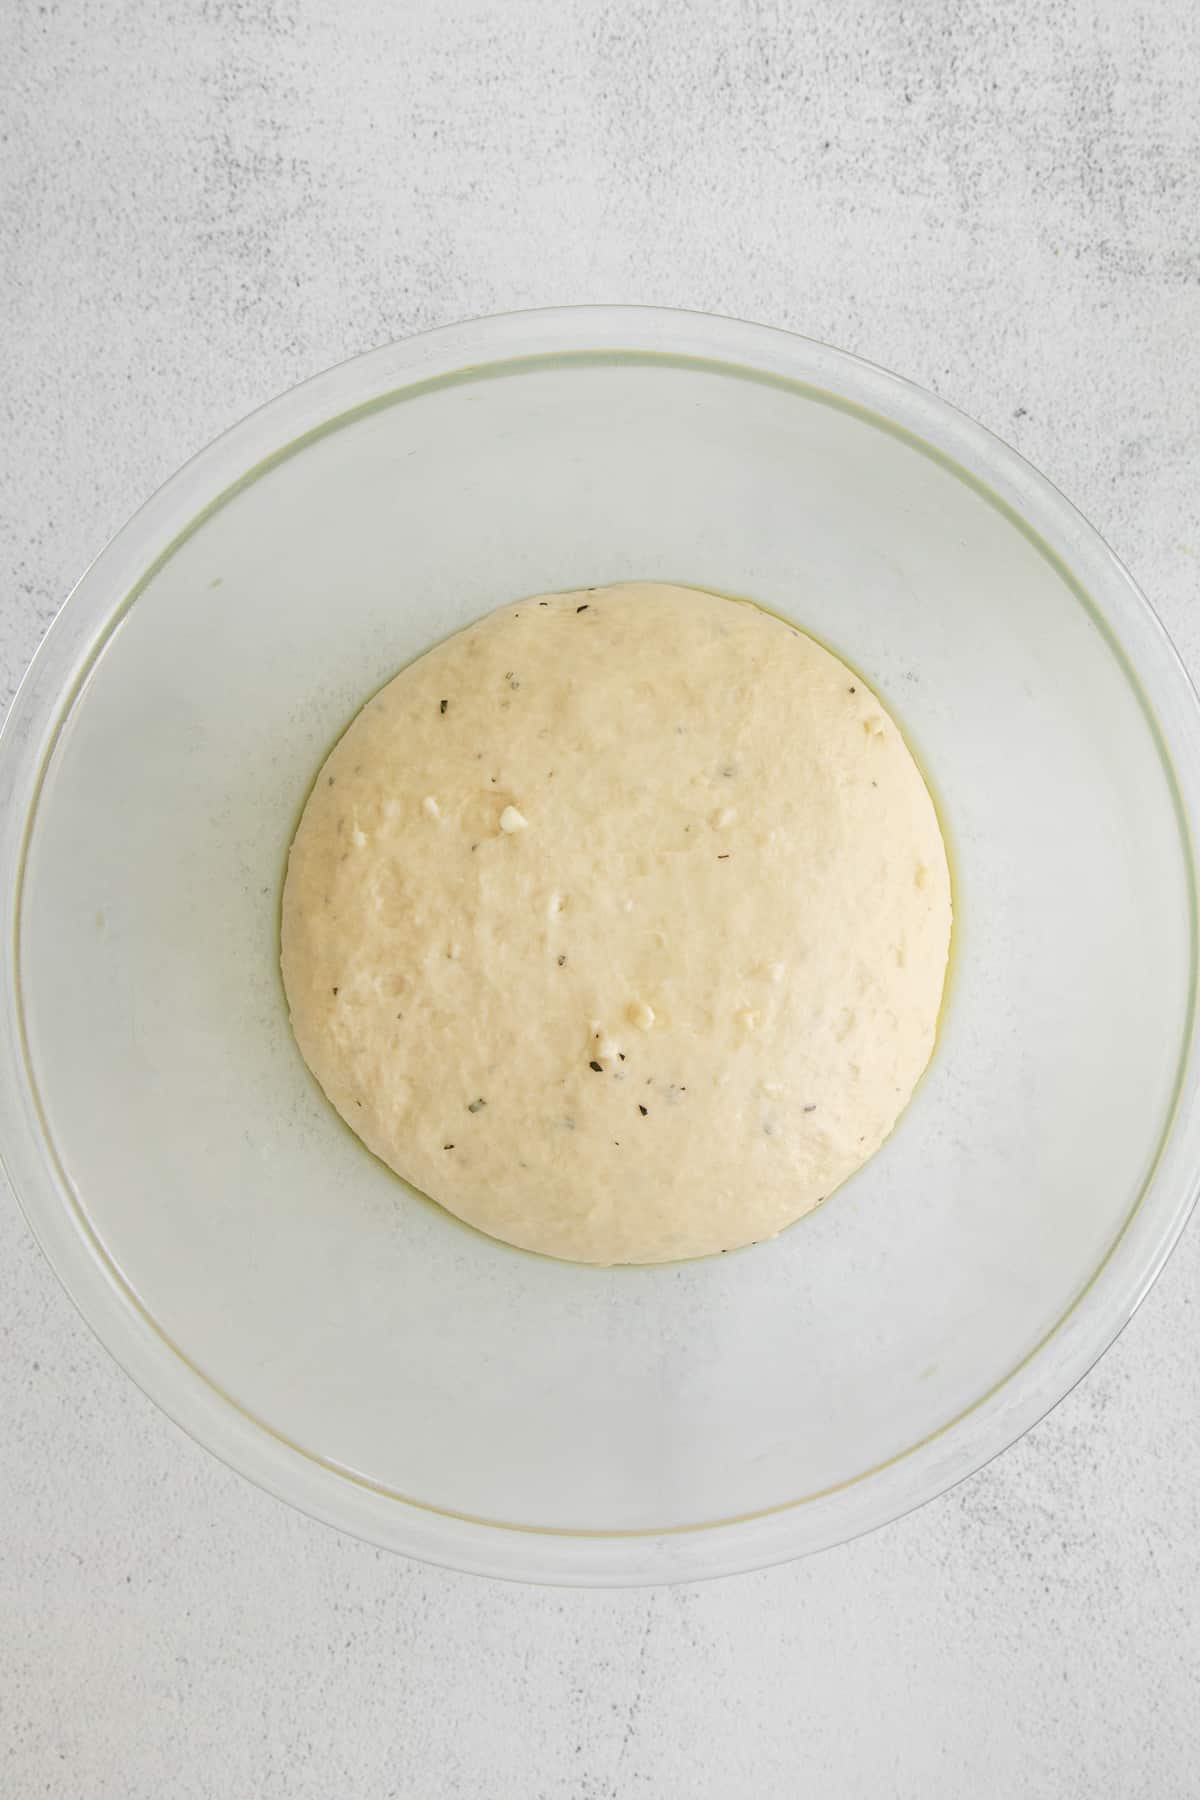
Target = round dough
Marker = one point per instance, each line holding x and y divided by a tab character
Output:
618	924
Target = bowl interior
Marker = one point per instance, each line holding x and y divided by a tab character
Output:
356	1321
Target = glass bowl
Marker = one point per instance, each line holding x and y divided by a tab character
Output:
344	1342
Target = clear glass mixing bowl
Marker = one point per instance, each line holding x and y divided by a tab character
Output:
344	1342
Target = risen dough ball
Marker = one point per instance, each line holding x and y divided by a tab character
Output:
618	924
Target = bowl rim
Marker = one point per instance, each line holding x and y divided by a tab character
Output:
480	349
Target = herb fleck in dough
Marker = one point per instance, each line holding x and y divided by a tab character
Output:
618	924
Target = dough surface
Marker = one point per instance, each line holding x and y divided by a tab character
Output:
618	924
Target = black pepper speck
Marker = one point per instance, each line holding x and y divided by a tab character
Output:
644	1110
599	1067
443	705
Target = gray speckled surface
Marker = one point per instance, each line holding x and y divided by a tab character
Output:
203	203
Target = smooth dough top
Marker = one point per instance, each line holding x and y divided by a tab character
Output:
618	924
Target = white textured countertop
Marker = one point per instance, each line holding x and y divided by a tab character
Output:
204	203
